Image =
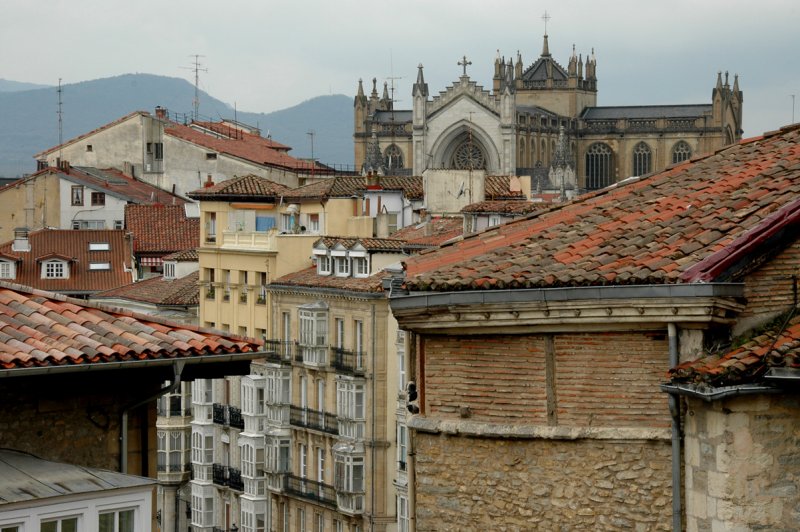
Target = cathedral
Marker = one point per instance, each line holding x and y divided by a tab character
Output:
533	119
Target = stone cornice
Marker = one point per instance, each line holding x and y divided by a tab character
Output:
463	87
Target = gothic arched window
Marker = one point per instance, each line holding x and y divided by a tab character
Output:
543	153
393	158
598	166
521	161
681	152
533	152
642	157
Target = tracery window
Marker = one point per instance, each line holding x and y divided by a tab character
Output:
681	152
469	156
393	157
642	157
598	166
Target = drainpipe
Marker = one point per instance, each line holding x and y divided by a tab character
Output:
177	369
374	345
675	411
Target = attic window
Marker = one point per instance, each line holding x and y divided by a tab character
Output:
323	265
55	269
98	198
211	156
7	270
99	246
169	270
88	147
95	266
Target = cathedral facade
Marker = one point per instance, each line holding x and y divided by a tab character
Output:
513	129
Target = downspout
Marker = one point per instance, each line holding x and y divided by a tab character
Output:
177	369
675	412
374	346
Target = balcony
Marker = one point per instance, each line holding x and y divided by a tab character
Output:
351	429
345	361
228	416
313	419
350	503
227	476
170	406
278	415
310	490
250	240
279	351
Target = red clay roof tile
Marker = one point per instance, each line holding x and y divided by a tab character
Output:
161	229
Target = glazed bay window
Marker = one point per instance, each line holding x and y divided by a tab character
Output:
171	455
254	516
202	506
202	451
348	477
314	333
402	445
120	521
253	399
278	395
253	455
350	407
278	460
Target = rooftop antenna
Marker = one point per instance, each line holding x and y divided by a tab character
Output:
792	95
197	67
60	121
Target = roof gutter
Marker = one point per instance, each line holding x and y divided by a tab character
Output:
710	394
419	300
131	364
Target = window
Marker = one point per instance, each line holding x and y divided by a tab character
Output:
226	275
55	269
402	514
391	222
68	524
89	147
303	461
77	196
278	456
401	363
265	223
121	521
641	159
402	446
338	526
11	528
314	335
360	267
93	266
358	342
323	265
342	266
320	464
119	224
7	269
681	152
202	447
211	227
350	408
339	333
169	270
301	520
494	219
349	473
313	223
209	278
598	166
287	223
98	199
393	158
320	522
88	224
243	287
262	289
211	156
99	246
202	506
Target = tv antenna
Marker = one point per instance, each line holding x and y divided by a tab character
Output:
197	67
60	121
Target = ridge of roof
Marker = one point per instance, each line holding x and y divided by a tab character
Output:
92	132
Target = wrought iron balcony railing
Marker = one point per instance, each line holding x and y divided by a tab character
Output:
314	419
345	361
227	415
311	490
227	476
279	351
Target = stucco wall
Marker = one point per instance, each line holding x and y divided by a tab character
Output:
742	464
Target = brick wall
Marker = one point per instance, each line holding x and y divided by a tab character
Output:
769	289
466	484
597	379
742	464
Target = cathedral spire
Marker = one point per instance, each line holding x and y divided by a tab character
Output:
420	87
373	163
545	47
719	80
736	83
374	95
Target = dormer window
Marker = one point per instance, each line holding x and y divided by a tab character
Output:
7	269
360	267
323	265
169	270
342	267
55	269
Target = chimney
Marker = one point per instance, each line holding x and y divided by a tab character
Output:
209	182
21	242
63	166
127	168
161	113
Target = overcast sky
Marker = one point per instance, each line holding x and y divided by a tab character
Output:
265	55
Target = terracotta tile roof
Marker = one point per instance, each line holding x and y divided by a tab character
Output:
411	186
43	329
161	229
159	291
745	364
309	278
512	207
187	255
249	185
498	187
234	132
252	148
43	153
332	187
370	244
643	231
433	233
73	245
113	183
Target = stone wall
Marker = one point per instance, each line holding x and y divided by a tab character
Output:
465	483
742	463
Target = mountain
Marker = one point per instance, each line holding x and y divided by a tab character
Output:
6	85
29	118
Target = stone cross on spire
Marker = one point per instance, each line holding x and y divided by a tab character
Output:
464	63
546	17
